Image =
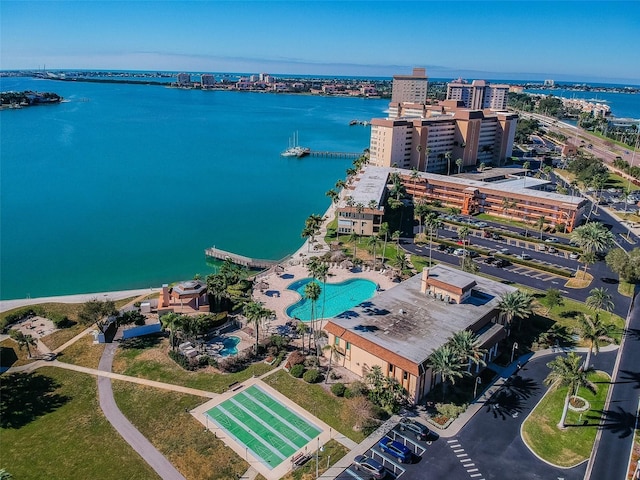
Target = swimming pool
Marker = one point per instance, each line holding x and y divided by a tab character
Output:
230	346
336	297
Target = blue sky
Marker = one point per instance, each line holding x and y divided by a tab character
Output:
566	41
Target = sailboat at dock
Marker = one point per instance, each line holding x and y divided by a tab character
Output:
294	149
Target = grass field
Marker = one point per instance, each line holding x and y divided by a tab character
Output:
573	445
52	427
161	417
152	362
83	352
12	356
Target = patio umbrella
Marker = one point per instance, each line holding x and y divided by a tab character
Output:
279	269
347	264
337	256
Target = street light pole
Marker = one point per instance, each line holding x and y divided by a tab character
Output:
513	350
475	387
317	457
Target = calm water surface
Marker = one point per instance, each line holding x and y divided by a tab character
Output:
125	186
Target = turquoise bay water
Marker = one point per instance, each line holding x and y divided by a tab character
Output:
125	186
336	298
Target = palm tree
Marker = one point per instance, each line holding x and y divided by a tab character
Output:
372	243
553	298
466	345
516	304
526	165
340	184
395	236
23	340
312	292
318	269
333	195
459	164
334	353
507	205
600	299
433	223
447	156
540	224
588	258
384	231
445	362
594	331
173	322
308	232
400	262
427	152
302	328
414	176
353	238
568	372
255	313
593	237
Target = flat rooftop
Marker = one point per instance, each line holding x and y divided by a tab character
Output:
413	324
370	186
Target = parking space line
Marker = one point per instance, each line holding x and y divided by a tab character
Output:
452	441
458	450
472	470
388	460
476	475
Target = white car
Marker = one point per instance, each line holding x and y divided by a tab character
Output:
551	240
524	256
574	256
458	252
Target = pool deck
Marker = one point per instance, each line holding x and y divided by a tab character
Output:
278	298
283	468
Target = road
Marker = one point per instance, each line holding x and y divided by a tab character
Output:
612	454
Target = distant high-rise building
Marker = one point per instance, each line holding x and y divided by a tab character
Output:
184	79
549	83
478	94
207	80
410	88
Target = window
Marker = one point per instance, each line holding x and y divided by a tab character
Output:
405	375
348	346
337	341
390	368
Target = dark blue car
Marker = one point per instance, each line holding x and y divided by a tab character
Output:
395	449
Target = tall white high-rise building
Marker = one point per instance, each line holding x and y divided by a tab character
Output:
479	94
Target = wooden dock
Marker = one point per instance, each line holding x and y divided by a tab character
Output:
326	154
249	262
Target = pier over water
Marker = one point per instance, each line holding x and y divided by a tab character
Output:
327	154
249	262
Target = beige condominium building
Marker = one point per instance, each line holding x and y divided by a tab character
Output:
398	329
410	88
505	195
432	138
478	95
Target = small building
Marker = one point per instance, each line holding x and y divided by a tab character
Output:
190	293
398	329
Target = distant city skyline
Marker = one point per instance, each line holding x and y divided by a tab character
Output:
569	41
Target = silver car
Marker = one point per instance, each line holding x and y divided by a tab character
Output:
369	466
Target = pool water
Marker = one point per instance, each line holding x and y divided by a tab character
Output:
230	346
336	297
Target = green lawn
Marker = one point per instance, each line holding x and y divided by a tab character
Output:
83	352
332	451
161	417
52	427
316	400
12	356
568	447
153	362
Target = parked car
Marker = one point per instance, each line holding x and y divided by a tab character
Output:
487	234
502	263
419	430
482	224
490	260
458	252
395	449
574	256
442	247
552	250
473	254
496	236
450	250
370	466
524	256
542	247
504	251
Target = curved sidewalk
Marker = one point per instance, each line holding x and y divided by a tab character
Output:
125	428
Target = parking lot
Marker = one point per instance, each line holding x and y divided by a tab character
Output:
395	469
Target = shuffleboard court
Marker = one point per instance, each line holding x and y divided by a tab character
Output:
263	425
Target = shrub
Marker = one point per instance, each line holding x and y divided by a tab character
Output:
312	376
60	320
180	360
297	358
338	389
297	370
450	410
356	389
334	375
311	362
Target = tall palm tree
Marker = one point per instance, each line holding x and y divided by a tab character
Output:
427	152
540	222
445	362
568	372
173	322
459	164
395	236
372	242
414	176
256	313
447	156
334	354
320	270
588	258
433	223
23	340
420	210
466	345
507	205
333	195
384	232
312	292
302	328
516	305
593	237
340	184
594	331
600	299
353	238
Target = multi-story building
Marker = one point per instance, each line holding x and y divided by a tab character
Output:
184	79
400	328
360	208
432	138
518	198
478	94
410	88
207	80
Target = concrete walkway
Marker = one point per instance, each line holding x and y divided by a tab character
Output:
125	428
